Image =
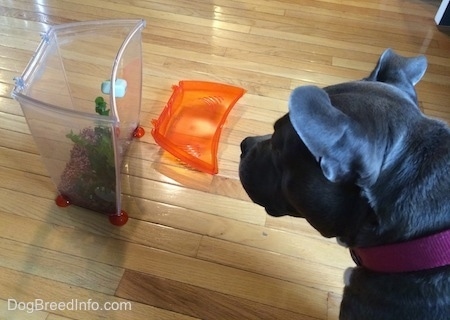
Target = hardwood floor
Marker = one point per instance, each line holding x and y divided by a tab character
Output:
195	247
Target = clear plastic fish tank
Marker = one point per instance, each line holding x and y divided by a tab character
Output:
81	97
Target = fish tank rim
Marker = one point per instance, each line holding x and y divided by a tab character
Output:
33	65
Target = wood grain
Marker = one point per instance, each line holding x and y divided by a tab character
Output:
195	301
195	246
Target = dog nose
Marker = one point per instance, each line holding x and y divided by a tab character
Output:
250	142
246	144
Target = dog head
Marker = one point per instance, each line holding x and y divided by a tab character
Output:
347	157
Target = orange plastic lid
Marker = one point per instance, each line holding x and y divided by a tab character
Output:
189	127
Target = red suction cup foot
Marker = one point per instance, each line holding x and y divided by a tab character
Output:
139	132
119	219
62	201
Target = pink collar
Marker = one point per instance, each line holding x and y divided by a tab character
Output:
415	255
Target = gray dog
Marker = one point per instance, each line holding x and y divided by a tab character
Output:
360	162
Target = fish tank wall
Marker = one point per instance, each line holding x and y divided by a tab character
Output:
81	97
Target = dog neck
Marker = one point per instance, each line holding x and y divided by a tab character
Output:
414	255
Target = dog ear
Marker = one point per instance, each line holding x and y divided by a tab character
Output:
338	142
395	69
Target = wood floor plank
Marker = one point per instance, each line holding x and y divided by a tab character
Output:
178	196
226	280
16	285
14	123
18	141
42	186
11	310
22	161
194	301
168	224
58	266
9	106
145	233
217	226
286	243
56	317
294	269
334	303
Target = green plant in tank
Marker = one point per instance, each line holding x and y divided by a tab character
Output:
89	178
